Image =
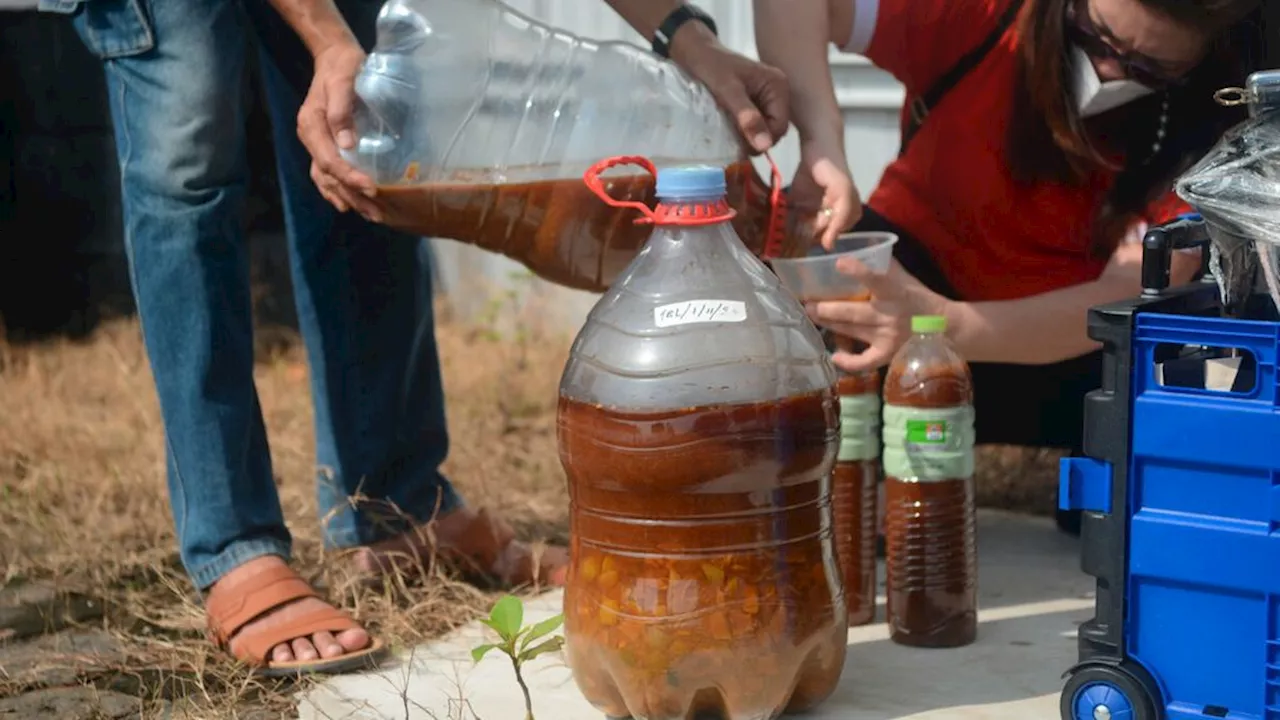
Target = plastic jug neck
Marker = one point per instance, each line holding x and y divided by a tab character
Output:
690	196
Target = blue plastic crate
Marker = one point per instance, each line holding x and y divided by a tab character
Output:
1181	493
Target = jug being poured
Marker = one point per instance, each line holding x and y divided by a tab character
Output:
477	123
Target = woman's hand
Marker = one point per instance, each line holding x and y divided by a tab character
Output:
325	123
824	184
883	322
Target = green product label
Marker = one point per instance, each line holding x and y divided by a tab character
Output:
859	427
928	435
928	444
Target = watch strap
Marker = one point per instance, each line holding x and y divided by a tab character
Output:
673	22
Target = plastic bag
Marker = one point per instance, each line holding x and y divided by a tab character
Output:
1236	189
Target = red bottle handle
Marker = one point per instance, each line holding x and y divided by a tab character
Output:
592	178
776	232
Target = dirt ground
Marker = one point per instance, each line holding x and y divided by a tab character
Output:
92	595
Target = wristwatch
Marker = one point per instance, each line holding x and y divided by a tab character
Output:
674	21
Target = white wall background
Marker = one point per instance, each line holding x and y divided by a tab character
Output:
472	280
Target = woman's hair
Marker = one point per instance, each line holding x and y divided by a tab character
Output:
1048	140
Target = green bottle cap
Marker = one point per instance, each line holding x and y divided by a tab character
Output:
928	324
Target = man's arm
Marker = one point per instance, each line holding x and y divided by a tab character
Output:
753	94
325	120
646	15
318	23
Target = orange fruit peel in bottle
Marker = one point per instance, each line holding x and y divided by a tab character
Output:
698	428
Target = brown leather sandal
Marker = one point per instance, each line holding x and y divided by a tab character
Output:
231	606
485	548
480	546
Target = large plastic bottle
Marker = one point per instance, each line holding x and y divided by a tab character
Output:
855	484
931	557
477	123
698	428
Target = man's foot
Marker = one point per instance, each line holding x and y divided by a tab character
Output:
482	547
267	616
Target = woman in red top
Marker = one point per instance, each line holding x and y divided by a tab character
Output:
1018	197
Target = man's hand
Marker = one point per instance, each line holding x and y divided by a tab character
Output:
754	94
325	124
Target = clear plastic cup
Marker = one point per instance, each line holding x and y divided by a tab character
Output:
816	278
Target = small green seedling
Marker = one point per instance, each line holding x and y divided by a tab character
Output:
517	641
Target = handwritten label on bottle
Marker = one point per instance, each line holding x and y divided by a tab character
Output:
699	311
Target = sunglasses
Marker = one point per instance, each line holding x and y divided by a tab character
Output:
1082	31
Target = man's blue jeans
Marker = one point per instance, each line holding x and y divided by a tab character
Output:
174	74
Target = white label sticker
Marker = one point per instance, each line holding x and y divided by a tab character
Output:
699	311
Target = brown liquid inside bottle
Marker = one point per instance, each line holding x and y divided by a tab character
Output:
854	494
931	557
558	228
703	576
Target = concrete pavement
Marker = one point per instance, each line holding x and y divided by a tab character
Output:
1033	597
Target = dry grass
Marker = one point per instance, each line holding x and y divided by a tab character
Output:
83	500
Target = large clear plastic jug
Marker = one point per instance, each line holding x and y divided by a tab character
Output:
478	122
698	426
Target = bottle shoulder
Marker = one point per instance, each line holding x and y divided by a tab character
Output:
695	319
928	372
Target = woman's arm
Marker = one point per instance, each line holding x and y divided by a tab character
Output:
793	37
1037	330
1052	326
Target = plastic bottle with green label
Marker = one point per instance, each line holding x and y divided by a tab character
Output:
930	549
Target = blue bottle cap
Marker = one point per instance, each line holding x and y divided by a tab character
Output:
691	182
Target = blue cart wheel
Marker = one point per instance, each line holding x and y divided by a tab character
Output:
1106	692
1102	701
